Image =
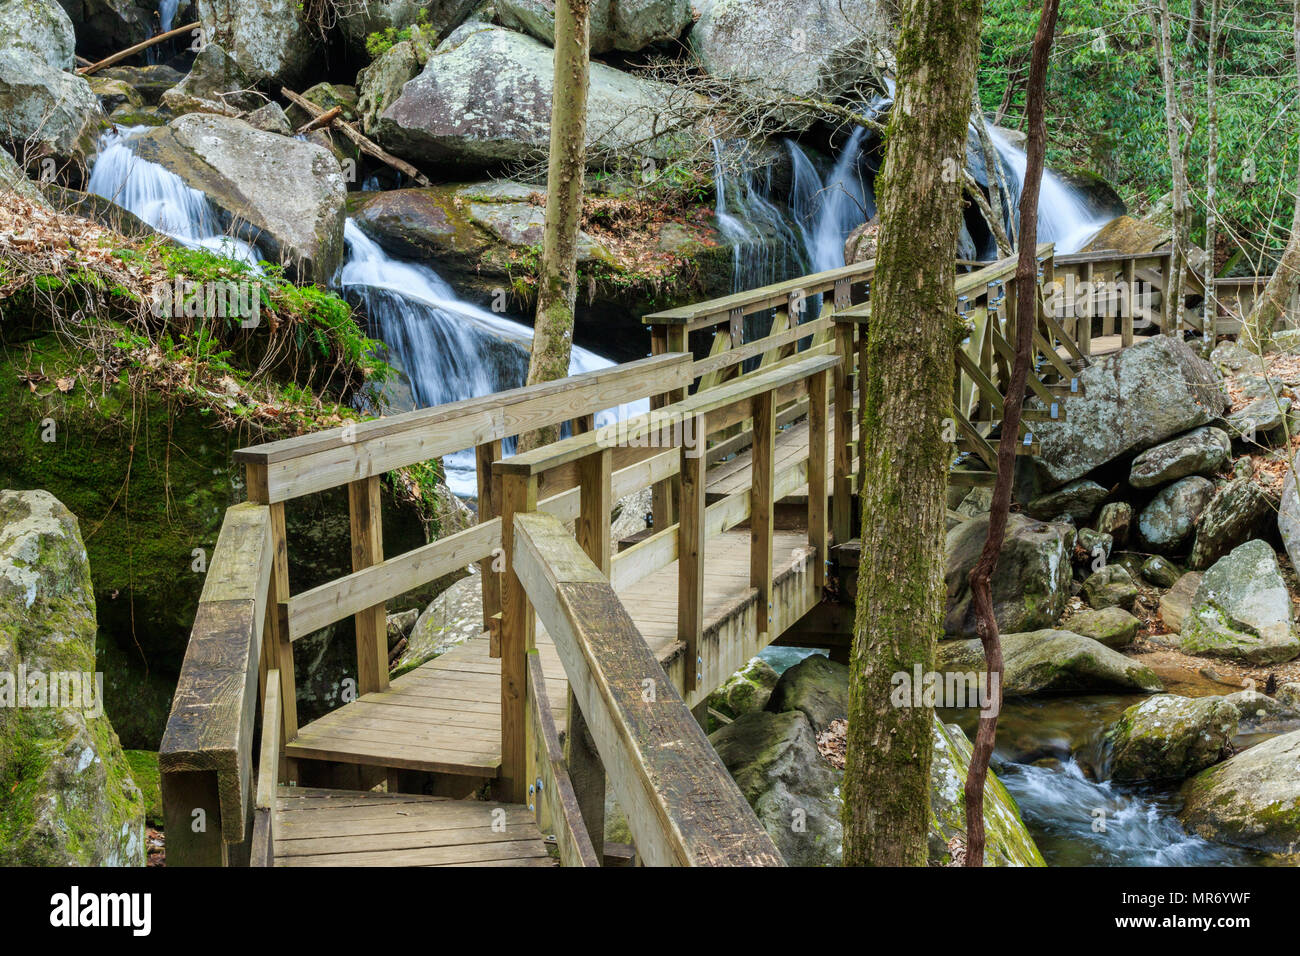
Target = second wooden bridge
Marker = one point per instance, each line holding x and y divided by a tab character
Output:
592	656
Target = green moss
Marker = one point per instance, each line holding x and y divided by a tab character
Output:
144	771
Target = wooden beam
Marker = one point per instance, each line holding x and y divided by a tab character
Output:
818	410
519	497
690	553
763	509
143	45
367	527
268	779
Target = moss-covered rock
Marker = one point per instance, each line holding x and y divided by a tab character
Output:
1112	586
1242	610
66	792
1251	800
817	687
1112	626
745	691
1052	661
1167	737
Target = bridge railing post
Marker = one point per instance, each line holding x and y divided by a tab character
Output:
518	495
367	530
762	507
277	649
489	505
663	496
818	410
842	499
690	553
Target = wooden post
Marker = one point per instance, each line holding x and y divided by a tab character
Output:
1130	304
1085	320
489	505
762	507
519	495
842	499
278	652
192	816
1170	313
818	397
364	504
667	338
585	768
690	553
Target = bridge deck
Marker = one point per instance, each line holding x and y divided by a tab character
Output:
445	716
364	828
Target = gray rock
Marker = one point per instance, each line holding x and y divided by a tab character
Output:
115	94
1176	603
1160	572
1032	580
1052	661
1116	519
270	118
267	38
1259	712
1111	626
752	42
1092	548
282	194
1259	417
484	98
1134	399
399	625
215	84
1242	610
13	179
794	791
1288	516
522	224
1232	357
1234	514
151	82
380	84
454	617
68	798
46	111
1167	737
747	690
437	17
1078	499
1250	800
41	27
1202	451
1112	586
626	25
817	687
1167	522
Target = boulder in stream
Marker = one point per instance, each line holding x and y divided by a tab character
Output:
46	112
66	793
1251	800
746	691
1167	737
1052	661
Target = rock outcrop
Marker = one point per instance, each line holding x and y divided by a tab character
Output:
1242	610
267	38
41	27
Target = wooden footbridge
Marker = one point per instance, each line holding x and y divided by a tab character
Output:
592	656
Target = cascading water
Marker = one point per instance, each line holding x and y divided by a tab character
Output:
1063	215
827	210
161	198
448	349
765	248
166	14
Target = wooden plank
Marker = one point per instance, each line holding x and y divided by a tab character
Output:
519	497
279	653
818	520
682	806
366	524
268	777
557	793
842	498
691	534
763	507
322	460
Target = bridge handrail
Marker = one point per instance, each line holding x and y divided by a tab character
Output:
682	806
206	755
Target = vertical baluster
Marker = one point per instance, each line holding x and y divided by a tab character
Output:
364	504
762	507
1130	303
818	397
690	564
518	494
489	504
842	499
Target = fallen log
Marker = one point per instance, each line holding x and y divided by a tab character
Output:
109	61
323	120
367	146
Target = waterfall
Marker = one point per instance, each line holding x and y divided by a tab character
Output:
827	210
161	198
1063	214
765	248
448	349
166	14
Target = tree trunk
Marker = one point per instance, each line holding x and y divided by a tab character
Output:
1211	171
908	384
557	288
981	575
1272	302
1173	283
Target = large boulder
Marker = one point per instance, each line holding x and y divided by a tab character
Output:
13	179
1168	520
817	47
380	84
66	793
45	111
1078	499
41	27
215	84
1007	839
817	687
1167	737
1242	610
747	690
1134	399
626	25
438	17
1176	603
484	98
452	618
1112	626
794	791
1202	451
1051	661
1234	514
284	195
1250	800
1112	586
267	38
1288	515
1032	581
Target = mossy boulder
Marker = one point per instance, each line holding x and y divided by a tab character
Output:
1032	580
817	687
1008	841
1052	661
1112	626
41	27
1169	519
1112	586
1242	610
1251	800
1167	737
1079	499
66	793
1202	451
452	618
1235	513
747	690
1160	572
